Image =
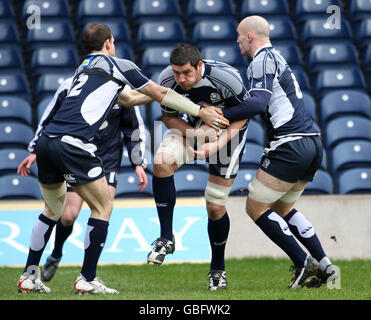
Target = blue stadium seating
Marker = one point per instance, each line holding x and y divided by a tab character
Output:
15	108
201	10
155	111
251	156
15	134
51	32
124	51
47	9
53	59
214	32
327	55
282	30
321	184
243	178
346	128
290	52
362	32
17	187
47	83
161	33
344	102
350	154
264	8
355	181
311	9
328	80
359	9
100	8
9	32
255	133
11	60
14	84
6	9
366	58
301	77
163	10
226	53
10	158
310	105
190	182
127	185
316	31
155	59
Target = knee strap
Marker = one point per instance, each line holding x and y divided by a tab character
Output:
216	193
262	193
51	198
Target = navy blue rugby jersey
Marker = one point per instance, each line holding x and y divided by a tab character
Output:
285	114
91	97
221	85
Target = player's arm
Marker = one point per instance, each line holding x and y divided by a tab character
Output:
132	98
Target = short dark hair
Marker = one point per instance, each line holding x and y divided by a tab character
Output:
184	53
94	36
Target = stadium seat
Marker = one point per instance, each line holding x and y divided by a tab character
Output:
328	55
227	53
53	59
190	182
9	32
255	133
264	8
290	52
15	108
155	111
51	32
124	51
251	156
100	8
47	83
155	10
310	105
359	9
366	58
346	128
328	80
355	181
127	185
311	9
316	31
11	60
321	184
214	32
10	158
362	32
15	134
47	9
17	187
159	34
155	59
350	154
14	84
6	9
282	30
240	184
344	102
202	10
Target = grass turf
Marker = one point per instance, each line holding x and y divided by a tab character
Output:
248	279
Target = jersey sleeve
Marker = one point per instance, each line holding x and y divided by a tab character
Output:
261	73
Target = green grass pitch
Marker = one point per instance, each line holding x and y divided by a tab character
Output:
249	279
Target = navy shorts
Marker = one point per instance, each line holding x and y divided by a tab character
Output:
294	160
58	161
111	177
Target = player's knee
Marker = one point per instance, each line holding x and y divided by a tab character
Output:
216	194
215	211
163	165
69	216
55	200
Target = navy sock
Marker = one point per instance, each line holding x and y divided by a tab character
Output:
41	232
61	234
304	232
218	231
278	231
165	197
95	236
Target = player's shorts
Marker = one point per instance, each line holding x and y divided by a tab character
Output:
58	161
111	177
293	160
225	163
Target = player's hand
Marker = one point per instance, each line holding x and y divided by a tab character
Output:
213	117
25	165
204	151
206	133
142	177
